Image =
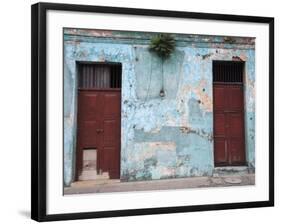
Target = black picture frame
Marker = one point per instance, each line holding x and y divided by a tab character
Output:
39	108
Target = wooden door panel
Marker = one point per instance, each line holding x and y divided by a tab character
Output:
88	118
220	152
109	159
219	98
229	137
88	109
114	165
234	95
110	135
111	104
89	135
110	144
219	124
99	127
105	159
236	125
236	149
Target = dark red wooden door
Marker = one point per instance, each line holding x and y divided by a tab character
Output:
229	144
99	128
109	147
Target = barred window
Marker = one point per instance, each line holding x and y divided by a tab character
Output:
228	71
99	75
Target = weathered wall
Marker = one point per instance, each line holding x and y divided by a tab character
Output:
162	137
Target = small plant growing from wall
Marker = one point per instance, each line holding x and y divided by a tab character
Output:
163	45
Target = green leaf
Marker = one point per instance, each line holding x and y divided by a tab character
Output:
163	45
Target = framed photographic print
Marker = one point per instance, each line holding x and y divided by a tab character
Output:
140	111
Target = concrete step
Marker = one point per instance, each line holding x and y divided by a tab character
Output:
231	170
92	175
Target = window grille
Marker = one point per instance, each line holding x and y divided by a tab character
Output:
228	71
99	75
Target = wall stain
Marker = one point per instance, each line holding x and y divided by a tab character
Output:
163	137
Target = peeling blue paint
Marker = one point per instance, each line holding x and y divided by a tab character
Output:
161	137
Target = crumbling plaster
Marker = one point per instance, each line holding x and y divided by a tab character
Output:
161	137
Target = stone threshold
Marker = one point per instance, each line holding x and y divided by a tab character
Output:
232	170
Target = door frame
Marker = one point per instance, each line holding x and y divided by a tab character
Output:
78	157
245	162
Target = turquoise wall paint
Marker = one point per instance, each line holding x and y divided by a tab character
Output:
161	137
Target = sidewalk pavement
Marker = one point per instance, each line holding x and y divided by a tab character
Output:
114	185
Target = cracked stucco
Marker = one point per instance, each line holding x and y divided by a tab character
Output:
160	137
